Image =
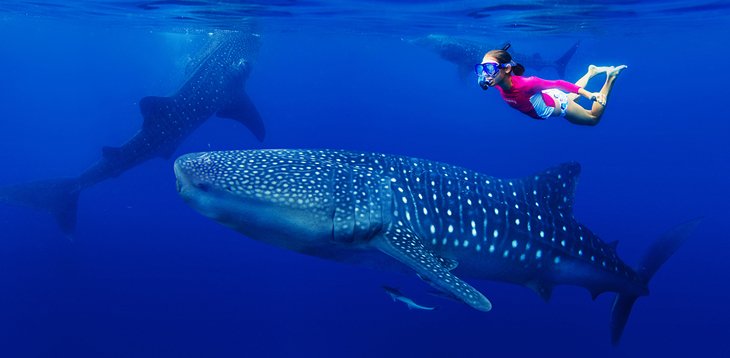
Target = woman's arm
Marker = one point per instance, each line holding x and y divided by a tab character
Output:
539	84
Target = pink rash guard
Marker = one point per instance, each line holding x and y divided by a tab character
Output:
525	87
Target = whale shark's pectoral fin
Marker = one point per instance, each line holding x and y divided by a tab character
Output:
111	153
404	246
155	111
543	289
243	110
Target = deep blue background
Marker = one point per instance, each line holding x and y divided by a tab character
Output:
146	276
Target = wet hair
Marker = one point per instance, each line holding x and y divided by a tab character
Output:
503	56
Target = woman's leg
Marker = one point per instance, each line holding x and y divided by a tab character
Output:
606	89
583	81
579	115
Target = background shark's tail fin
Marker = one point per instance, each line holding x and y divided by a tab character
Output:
59	197
562	62
654	258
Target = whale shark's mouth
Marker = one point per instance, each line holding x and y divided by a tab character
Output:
187	178
199	186
184	183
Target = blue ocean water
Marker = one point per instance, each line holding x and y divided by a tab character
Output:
144	275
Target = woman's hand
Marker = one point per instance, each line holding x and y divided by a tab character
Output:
598	97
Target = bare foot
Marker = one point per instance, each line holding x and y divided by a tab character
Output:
594	70
616	70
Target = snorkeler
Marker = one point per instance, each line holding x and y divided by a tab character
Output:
539	98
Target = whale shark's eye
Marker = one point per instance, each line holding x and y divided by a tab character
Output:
202	186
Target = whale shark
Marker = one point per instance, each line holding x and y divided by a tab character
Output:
442	222
465	53
215	86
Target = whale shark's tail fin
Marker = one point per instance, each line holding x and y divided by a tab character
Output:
653	259
562	62
59	197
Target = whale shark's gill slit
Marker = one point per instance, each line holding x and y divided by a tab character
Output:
441	203
353	202
331	217
412	204
332	206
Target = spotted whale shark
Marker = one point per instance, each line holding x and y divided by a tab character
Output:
215	86
465	53
443	222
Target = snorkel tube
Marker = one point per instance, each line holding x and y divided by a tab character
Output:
483	80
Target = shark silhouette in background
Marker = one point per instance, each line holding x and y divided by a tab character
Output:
465	53
440	221
215	86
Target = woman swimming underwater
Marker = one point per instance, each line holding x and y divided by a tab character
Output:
541	99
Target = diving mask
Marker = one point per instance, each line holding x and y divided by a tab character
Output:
489	68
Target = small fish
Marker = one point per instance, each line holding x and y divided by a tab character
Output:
396	295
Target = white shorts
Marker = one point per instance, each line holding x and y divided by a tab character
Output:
545	111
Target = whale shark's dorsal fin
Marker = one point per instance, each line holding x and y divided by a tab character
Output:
243	110
403	245
554	187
